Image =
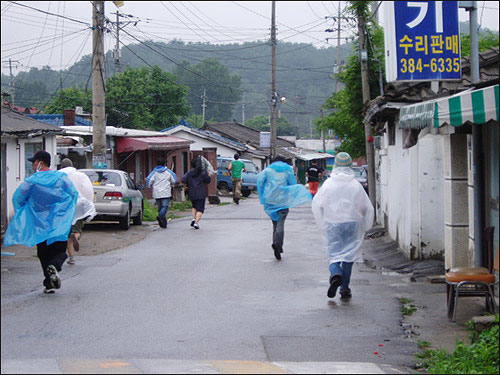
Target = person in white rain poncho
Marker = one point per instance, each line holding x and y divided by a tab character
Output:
343	213
85	209
278	191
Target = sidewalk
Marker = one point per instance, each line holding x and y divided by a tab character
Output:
429	322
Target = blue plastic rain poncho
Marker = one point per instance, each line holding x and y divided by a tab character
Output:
278	189
343	213
159	168
45	206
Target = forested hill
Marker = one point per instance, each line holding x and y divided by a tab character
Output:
304	74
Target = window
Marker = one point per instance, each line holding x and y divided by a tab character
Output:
102	178
250	166
29	151
391	132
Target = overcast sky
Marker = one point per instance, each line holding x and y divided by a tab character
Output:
33	36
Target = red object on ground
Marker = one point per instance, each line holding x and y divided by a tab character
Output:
375	353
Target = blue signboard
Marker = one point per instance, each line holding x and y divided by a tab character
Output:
427	40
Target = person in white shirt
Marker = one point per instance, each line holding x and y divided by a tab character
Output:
161	179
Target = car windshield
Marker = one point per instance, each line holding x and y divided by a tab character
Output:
104	178
359	172
250	166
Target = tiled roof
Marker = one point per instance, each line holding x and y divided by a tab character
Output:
204	133
19	124
58	119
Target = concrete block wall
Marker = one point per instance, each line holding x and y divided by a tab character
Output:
456	201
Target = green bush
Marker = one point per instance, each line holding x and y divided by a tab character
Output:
480	357
151	212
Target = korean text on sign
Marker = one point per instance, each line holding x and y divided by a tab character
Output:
427	40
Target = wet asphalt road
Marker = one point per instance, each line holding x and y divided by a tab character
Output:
216	293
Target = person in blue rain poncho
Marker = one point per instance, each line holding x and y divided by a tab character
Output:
343	212
278	192
45	206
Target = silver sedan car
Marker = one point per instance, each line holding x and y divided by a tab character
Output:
116	197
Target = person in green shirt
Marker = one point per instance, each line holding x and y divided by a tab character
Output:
236	167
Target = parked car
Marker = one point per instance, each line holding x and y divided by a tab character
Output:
224	181
361	175
116	197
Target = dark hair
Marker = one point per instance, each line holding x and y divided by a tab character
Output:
194	163
236	156
279	158
161	162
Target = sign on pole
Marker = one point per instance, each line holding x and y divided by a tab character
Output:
422	40
265	139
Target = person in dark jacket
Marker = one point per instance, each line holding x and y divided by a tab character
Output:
196	181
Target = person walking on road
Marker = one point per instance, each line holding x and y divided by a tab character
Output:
45	205
314	173
85	197
278	192
161	179
236	167
196	181
343	212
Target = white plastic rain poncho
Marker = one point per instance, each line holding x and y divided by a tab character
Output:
85	208
278	189
343	212
45	206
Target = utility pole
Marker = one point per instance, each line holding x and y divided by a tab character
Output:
274	95
323	133
365	83
11	82
243	110
203	105
117	48
98	90
338	48
477	144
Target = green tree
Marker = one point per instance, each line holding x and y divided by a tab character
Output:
30	94
487	39
261	123
346	106
69	99
145	98
222	90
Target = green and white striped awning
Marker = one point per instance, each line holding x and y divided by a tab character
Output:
477	107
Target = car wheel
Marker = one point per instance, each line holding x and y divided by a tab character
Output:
224	188
246	193
125	221
137	220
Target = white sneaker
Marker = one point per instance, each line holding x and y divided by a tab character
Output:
193	222
71	260
49	290
196	226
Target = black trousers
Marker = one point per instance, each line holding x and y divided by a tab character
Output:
53	254
279	228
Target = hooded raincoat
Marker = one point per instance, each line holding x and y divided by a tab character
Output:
278	189
343	212
162	179
85	208
45	205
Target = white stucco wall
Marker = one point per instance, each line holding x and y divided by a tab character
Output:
15	164
431	186
200	143
411	194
